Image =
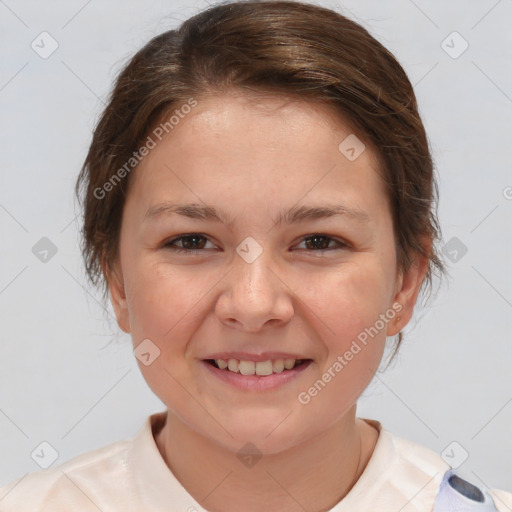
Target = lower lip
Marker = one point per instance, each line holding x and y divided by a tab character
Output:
257	382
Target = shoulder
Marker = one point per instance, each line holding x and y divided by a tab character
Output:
420	474
456	493
502	499
128	475
76	483
411	454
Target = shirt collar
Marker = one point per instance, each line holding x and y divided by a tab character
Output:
395	478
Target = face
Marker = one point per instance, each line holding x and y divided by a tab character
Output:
259	278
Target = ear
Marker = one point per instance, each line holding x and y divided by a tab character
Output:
116	287
408	285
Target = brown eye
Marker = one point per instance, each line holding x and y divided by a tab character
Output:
319	242
189	243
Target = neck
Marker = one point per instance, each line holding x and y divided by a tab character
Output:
313	476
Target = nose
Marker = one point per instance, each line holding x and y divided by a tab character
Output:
254	296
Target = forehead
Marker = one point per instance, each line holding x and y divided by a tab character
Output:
289	120
275	143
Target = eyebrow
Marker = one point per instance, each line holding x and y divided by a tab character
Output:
293	215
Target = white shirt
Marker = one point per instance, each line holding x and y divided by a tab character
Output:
131	475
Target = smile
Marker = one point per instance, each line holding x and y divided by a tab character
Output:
257	376
261	368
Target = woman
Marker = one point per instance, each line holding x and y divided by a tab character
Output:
259	204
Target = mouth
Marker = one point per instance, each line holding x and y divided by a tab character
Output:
260	368
261	376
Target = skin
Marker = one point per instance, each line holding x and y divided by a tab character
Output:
253	157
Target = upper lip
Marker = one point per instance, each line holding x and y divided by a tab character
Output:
246	356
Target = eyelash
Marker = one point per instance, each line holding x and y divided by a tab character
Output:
168	244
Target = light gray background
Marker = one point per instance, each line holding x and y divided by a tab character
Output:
62	381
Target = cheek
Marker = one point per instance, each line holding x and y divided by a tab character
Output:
165	300
350	299
164	306
348	305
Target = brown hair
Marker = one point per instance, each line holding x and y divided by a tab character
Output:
275	47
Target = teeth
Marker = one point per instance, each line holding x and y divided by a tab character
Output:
278	365
233	365
253	368
247	367
289	363
221	364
